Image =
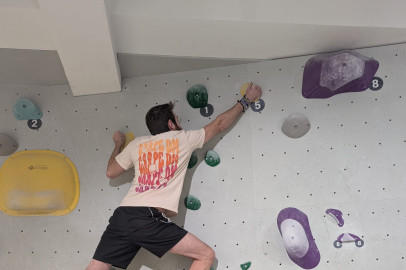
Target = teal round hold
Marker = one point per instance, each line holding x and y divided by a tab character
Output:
192	161
212	158
192	203
197	96
25	109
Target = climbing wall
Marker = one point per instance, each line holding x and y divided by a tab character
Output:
352	159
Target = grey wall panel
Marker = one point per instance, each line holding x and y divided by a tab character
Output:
352	159
33	67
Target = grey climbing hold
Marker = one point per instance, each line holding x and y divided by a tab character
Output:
212	158
296	126
192	161
7	145
192	203
197	96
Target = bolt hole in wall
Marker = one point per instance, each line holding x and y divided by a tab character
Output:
350	158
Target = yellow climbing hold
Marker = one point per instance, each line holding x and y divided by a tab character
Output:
38	183
244	89
129	136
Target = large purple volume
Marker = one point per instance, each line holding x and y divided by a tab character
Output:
295	230
347	71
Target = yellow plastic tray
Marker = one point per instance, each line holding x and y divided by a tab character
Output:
38	183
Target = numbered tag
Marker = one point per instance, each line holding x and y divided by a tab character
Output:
376	84
207	111
258	105
34	124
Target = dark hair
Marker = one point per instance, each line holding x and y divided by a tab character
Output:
157	118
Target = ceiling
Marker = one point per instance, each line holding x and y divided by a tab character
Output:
92	44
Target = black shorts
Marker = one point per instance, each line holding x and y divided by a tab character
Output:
130	229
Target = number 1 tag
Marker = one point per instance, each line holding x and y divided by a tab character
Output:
207	111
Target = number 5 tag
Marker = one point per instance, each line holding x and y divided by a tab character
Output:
258	105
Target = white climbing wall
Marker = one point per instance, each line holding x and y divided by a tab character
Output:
352	159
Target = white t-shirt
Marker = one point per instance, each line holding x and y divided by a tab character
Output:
160	163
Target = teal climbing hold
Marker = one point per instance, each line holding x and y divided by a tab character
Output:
197	96
212	158
192	160
192	203
25	109
245	266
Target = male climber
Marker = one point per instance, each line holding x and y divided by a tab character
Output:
160	162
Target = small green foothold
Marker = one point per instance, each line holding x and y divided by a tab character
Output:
245	266
197	96
212	158
192	161
192	203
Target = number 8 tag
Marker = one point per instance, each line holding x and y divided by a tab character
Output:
376	84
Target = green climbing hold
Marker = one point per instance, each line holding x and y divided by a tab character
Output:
245	266
212	158
197	96
192	161
192	203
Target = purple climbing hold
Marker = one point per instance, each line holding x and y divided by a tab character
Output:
348	237
337	214
298	239
347	71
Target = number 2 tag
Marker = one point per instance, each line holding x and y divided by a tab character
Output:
34	123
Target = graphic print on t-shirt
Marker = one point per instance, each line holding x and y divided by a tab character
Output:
158	162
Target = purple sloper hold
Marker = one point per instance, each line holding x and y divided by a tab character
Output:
348	237
298	239
337	214
347	71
